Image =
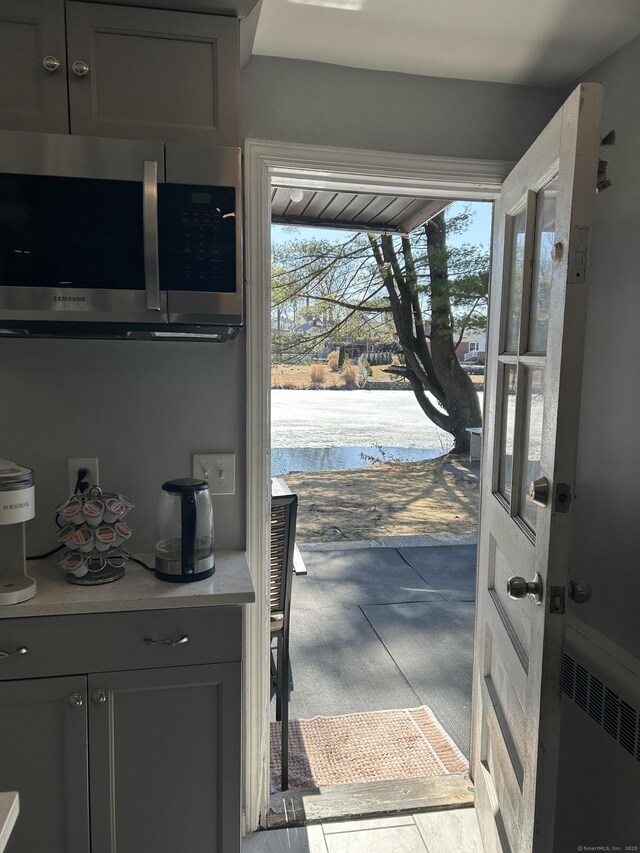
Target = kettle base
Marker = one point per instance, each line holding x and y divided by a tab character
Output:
198	576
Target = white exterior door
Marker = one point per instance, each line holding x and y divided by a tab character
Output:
542	227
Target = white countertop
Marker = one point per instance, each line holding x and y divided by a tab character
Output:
9	808
139	589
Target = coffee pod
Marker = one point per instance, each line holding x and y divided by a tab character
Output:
65	536
105	537
93	512
127	504
83	539
74	563
123	532
72	512
114	510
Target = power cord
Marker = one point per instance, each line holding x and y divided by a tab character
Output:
80	488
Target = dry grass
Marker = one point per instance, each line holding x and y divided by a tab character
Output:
411	498
298	376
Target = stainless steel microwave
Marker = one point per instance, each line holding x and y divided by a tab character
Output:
119	238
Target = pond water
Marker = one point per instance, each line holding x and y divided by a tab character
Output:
327	430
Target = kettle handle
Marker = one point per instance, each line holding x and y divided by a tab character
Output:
189	517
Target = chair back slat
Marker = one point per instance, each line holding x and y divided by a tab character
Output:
283	531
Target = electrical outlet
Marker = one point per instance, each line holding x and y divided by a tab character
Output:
91	463
218	469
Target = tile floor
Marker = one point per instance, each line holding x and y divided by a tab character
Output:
453	831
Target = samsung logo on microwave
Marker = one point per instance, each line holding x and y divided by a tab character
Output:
69	298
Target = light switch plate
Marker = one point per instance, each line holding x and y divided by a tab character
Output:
218	469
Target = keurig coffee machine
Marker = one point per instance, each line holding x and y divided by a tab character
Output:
17	505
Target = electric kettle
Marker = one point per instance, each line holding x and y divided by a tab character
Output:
184	547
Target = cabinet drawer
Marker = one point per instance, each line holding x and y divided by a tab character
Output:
64	645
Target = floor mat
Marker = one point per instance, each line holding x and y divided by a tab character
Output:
365	747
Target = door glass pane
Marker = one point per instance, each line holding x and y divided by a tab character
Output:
534	409
543	267
508	408
514	283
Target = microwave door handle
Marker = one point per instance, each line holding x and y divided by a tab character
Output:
150	226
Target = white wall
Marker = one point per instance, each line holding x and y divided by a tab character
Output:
142	407
606	543
311	102
599	779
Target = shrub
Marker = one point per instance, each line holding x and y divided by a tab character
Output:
367	366
332	361
350	374
318	374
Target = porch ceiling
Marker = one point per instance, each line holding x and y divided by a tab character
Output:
353	211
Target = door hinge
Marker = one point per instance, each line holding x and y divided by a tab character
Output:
563	497
556	599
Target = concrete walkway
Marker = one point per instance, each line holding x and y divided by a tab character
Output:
382	626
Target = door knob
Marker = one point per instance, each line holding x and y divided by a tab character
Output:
518	588
579	591
80	68
75	700
51	63
539	491
99	697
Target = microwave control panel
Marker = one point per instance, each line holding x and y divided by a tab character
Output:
197	238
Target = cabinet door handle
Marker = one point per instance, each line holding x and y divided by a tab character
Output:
21	651
75	700
99	697
180	641
150	233
51	63
80	68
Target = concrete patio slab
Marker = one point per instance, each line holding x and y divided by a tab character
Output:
451	571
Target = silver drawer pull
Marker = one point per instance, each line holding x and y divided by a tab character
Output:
21	651
168	642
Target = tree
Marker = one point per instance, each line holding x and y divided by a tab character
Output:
433	293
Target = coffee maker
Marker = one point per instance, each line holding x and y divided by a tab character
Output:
17	505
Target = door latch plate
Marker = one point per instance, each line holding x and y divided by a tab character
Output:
556	599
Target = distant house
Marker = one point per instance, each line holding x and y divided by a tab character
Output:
472	348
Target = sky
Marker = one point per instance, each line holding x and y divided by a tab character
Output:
479	233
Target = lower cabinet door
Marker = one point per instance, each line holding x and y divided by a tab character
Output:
43	756
164	752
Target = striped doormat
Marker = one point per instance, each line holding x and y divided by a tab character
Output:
365	747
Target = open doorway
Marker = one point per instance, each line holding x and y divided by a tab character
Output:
266	161
382	625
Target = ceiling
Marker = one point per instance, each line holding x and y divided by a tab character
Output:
527	42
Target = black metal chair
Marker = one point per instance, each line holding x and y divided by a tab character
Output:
284	510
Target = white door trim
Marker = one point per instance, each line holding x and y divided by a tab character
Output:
321	168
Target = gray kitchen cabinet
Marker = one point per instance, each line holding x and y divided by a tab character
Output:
32	40
163	777
127	72
43	755
139	747
153	74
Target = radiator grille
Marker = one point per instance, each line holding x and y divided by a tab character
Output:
614	715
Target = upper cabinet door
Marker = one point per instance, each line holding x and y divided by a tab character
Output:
542	228
33	92
152	74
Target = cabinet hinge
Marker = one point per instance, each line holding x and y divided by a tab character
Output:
556	599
